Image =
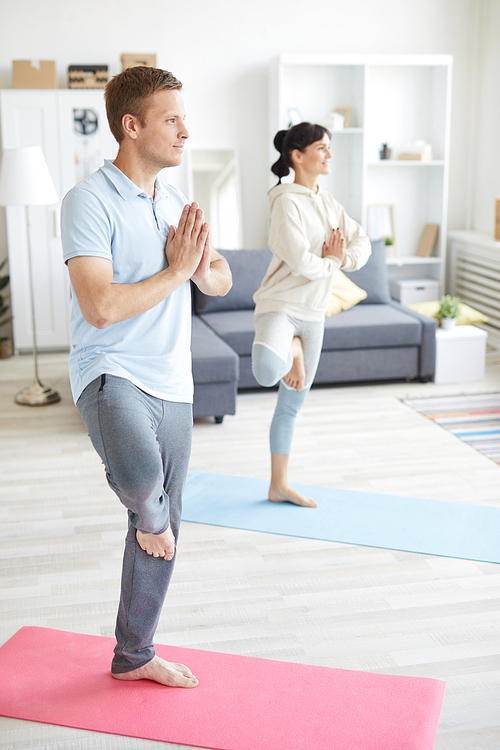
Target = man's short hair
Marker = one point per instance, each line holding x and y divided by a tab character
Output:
128	93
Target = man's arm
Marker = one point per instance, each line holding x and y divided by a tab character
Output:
104	302
213	275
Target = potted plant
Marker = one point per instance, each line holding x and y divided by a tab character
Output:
449	310
5	342
385	152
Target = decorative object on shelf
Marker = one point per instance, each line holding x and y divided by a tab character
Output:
28	74
448	312
380	226
346	114
294	117
87	76
132	60
418	151
428	240
25	181
390	249
333	121
385	152
497	219
5	341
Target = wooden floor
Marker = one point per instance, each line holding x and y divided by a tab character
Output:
252	593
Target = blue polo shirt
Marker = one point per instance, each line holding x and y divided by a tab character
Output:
108	216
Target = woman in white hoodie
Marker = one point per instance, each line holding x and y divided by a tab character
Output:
311	236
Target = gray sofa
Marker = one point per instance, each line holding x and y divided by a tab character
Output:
377	339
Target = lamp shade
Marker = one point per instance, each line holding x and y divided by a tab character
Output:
25	178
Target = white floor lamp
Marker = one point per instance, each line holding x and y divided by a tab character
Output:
25	181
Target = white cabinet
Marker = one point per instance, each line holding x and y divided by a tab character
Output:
394	99
71	127
460	355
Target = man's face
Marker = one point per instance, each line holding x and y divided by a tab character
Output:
160	142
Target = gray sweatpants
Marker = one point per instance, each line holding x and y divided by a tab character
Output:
145	445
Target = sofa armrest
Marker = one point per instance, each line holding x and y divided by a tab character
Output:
427	364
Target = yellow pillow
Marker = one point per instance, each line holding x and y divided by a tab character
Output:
466	317
345	294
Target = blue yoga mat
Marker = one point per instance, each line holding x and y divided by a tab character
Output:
411	524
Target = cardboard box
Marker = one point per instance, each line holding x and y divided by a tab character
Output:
411	291
131	60
34	74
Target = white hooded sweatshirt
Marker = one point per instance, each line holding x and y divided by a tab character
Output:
299	280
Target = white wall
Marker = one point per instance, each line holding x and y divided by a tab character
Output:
485	119
221	50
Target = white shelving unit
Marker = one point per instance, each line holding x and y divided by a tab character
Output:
71	127
394	99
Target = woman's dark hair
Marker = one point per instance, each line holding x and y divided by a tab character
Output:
296	137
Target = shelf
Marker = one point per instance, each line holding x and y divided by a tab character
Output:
412	260
394	99
391	163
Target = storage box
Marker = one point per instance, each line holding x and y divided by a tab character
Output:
87	76
28	74
411	291
460	355
131	60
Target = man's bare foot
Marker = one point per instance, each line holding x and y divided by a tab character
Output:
164	672
286	494
157	545
296	377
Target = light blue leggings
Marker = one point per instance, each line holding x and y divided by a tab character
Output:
272	359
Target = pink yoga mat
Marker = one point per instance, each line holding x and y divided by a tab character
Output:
241	703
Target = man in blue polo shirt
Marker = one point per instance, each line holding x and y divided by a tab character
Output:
132	245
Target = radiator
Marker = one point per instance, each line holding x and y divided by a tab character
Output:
476	280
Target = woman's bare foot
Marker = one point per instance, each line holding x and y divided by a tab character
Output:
157	545
296	377
279	489
164	672
286	494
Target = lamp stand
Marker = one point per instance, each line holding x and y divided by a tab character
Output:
36	394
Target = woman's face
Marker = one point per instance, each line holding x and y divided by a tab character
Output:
315	159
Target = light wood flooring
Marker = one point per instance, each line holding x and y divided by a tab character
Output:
252	593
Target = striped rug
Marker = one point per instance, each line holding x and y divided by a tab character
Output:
473	418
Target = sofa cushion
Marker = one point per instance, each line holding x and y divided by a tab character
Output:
213	360
373	277
235	328
467	316
345	294
248	268
371	326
